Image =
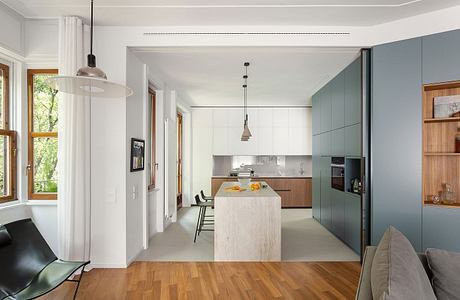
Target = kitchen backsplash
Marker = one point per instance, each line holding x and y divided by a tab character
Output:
264	165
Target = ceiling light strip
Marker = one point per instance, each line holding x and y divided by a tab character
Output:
246	33
245	5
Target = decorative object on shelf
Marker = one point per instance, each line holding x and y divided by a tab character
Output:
356	186
446	106
246	132
457	141
448	196
137	154
89	80
435	199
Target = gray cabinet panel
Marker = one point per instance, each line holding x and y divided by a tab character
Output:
352	222
338	142
338	213
326	217
316	114
440	228
316	145
338	101
441	57
396	131
325	143
353	93
326	108
316	182
353	140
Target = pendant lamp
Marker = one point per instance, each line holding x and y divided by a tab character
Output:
246	132
89	80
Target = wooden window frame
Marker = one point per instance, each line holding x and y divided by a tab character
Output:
12	145
31	135
153	163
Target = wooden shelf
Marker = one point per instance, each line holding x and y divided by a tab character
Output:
441	165
442	205
440	120
441	154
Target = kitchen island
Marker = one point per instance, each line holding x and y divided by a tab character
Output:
247	224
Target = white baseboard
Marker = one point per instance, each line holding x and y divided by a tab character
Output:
106	266
131	260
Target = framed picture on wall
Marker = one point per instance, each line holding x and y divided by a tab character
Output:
137	154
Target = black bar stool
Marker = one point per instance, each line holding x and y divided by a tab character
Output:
203	219
206	198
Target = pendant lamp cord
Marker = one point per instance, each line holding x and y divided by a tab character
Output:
91	57
91	34
245	94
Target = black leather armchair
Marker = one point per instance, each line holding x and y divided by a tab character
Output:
28	266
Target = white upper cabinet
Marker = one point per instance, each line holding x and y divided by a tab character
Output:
265	140
266	117
275	131
299	117
202	118
281	117
220	141
235	116
280	140
253	118
220	118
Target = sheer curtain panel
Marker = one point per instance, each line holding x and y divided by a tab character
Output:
73	149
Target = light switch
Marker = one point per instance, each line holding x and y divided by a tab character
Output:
134	192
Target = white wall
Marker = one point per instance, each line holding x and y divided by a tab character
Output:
12	30
34	39
202	147
135	181
41	43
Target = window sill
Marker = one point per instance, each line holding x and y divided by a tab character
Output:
11	204
41	203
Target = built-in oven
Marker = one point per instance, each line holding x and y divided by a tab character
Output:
338	173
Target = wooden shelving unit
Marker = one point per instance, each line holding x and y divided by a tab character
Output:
441	164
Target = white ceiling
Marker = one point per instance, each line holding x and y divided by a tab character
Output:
277	76
232	12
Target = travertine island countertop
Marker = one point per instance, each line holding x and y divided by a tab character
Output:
263	192
247	224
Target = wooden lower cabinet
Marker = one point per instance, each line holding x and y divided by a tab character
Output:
294	192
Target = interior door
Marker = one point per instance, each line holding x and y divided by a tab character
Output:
179	159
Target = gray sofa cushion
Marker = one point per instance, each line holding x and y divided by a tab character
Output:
396	272
445	267
364	291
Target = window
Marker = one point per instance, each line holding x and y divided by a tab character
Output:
153	164
7	141
42	139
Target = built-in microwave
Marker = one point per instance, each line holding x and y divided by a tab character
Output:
338	173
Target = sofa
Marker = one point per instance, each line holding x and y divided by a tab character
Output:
392	270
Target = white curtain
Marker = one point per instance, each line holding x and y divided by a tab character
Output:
73	149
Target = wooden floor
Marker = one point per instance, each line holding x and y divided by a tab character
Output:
195	280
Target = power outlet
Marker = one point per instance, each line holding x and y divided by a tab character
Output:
134	192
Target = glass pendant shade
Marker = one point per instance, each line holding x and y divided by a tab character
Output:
89	86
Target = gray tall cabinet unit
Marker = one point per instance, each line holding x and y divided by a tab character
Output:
399	71
337	132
